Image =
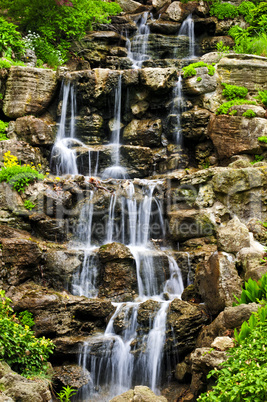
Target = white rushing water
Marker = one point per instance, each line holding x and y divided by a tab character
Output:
137	48
188	29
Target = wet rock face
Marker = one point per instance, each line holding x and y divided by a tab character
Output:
28	91
217	282
118	274
34	131
143	133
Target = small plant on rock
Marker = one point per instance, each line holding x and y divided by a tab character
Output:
190	70
66	393
249	114
29	205
234	91
263	139
254	291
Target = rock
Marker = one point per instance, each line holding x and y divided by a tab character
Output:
217	281
19	388
117	271
140	393
70	375
164	27
145	133
236	134
25	153
28	91
240	109
177	11
157	4
158	79
243	70
131	6
224	324
36	132
209	43
139	108
194	123
182	372
222	343
184	321
232	237
201	83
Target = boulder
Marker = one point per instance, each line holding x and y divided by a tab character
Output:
244	70
158	79
194	123
35	131
29	90
224	324
201	83
140	393
145	133
117	271
25	153
223	343
70	375
131	6
236	134
217	282
233	236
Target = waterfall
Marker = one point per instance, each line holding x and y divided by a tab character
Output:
116	171
137	49
177	110
187	28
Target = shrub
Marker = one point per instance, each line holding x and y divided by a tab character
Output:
257	158
16	175
190	70
234	91
25	353
243	376
10	39
262	97
233	112
245	9
199	79
29	205
3	127
249	114
254	291
263	139
223	10
223	109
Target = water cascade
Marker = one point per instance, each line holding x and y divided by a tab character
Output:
137	49
187	28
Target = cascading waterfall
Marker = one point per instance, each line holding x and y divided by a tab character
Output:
177	110
114	358
137	49
188	28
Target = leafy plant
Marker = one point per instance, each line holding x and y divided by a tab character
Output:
249	114
8	62
257	158
222	48
263	139
254	291
243	376
28	205
223	10
3	127
262	97
10	39
199	79
65	394
190	70
25	353
26	318
16	175
233	112
223	109
234	91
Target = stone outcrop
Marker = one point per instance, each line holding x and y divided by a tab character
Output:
139	393
29	90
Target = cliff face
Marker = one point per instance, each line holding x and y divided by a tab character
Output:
188	177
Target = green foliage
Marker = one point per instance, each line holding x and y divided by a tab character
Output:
10	39
25	353
223	109
65	394
19	176
263	139
222	48
234	91
45	51
8	62
262	97
254	291
249	114
223	10
243	376
3	127
28	205
199	79
257	158
190	70
233	112
26	318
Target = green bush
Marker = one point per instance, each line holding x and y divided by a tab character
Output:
7	62
20	176
223	10
249	114
10	39
19	348
190	70
254	291
29	205
262	97
263	139
223	109
3	127
245	9
234	91
243	376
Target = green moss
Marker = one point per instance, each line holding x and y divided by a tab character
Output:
223	109
263	139
234	91
249	114
190	70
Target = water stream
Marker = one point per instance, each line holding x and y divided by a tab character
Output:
118	360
